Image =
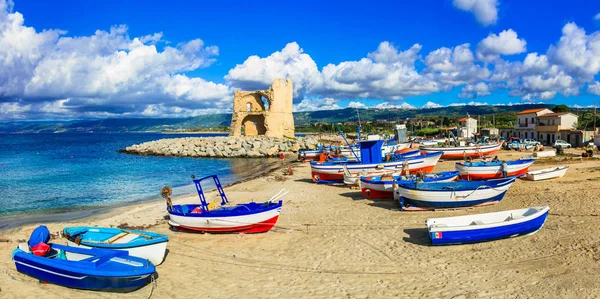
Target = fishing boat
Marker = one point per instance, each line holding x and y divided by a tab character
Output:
459	152
81	268
147	245
371	160
492	170
486	227
211	218
425	196
382	186
352	178
547	173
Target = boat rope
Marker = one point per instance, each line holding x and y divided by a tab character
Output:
153	282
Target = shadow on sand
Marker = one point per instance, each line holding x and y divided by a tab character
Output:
418	236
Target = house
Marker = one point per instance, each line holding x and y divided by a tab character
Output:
577	138
489	132
467	127
551	126
526	122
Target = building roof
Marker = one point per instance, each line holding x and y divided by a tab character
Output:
464	118
529	111
554	114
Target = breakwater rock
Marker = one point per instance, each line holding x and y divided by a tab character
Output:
222	147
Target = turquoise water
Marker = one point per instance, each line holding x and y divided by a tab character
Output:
54	173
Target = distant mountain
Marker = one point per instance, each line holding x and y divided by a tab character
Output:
223	120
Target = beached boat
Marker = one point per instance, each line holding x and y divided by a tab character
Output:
421	195
486	227
332	172
352	178
459	152
147	245
493	170
241	218
382	186
547	173
82	268
543	154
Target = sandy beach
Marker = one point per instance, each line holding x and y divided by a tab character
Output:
329	242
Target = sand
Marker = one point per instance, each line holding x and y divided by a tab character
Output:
331	243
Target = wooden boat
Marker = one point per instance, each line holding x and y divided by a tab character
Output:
382	186
455	153
82	268
147	245
542	154
492	170
421	195
486	227
352	178
332	172
547	173
241	218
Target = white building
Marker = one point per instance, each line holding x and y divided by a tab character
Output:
552	126
527	120
467	127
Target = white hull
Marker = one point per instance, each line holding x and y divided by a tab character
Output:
544	154
228	223
464	169
388	186
353	178
548	173
155	253
452	196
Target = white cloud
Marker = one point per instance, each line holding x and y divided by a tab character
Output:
430	105
290	62
453	67
577	52
107	73
485	11
388	105
317	104
594	88
597	16
475	90
358	105
505	43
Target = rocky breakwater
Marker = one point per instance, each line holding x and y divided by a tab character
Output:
222	147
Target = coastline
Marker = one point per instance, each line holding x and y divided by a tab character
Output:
331	242
52	215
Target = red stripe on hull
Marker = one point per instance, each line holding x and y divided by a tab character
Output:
260	227
377	194
496	175
460	156
318	176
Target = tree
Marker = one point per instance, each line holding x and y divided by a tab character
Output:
446	122
561	108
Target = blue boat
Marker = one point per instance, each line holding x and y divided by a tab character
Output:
81	268
147	245
486	227
422	195
382	186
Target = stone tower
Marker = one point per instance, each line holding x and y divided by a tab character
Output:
264	112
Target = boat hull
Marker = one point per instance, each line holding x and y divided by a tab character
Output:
334	173
155	253
546	174
492	171
466	235
458	153
385	189
250	223
410	197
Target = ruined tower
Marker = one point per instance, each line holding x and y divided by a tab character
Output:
264	112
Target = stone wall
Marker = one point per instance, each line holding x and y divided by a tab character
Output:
222	147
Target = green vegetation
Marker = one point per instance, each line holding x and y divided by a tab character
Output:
561	108
427	132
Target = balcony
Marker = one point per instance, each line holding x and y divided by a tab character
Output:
544	128
524	126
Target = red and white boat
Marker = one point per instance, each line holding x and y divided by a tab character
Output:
493	170
382	186
333	172
456	153
242	218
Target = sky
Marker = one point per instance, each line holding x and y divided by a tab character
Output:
100	59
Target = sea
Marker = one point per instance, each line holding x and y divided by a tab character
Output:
65	176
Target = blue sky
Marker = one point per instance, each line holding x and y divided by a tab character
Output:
79	59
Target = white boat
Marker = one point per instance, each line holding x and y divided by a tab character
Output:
143	244
547	173
486	227
544	154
